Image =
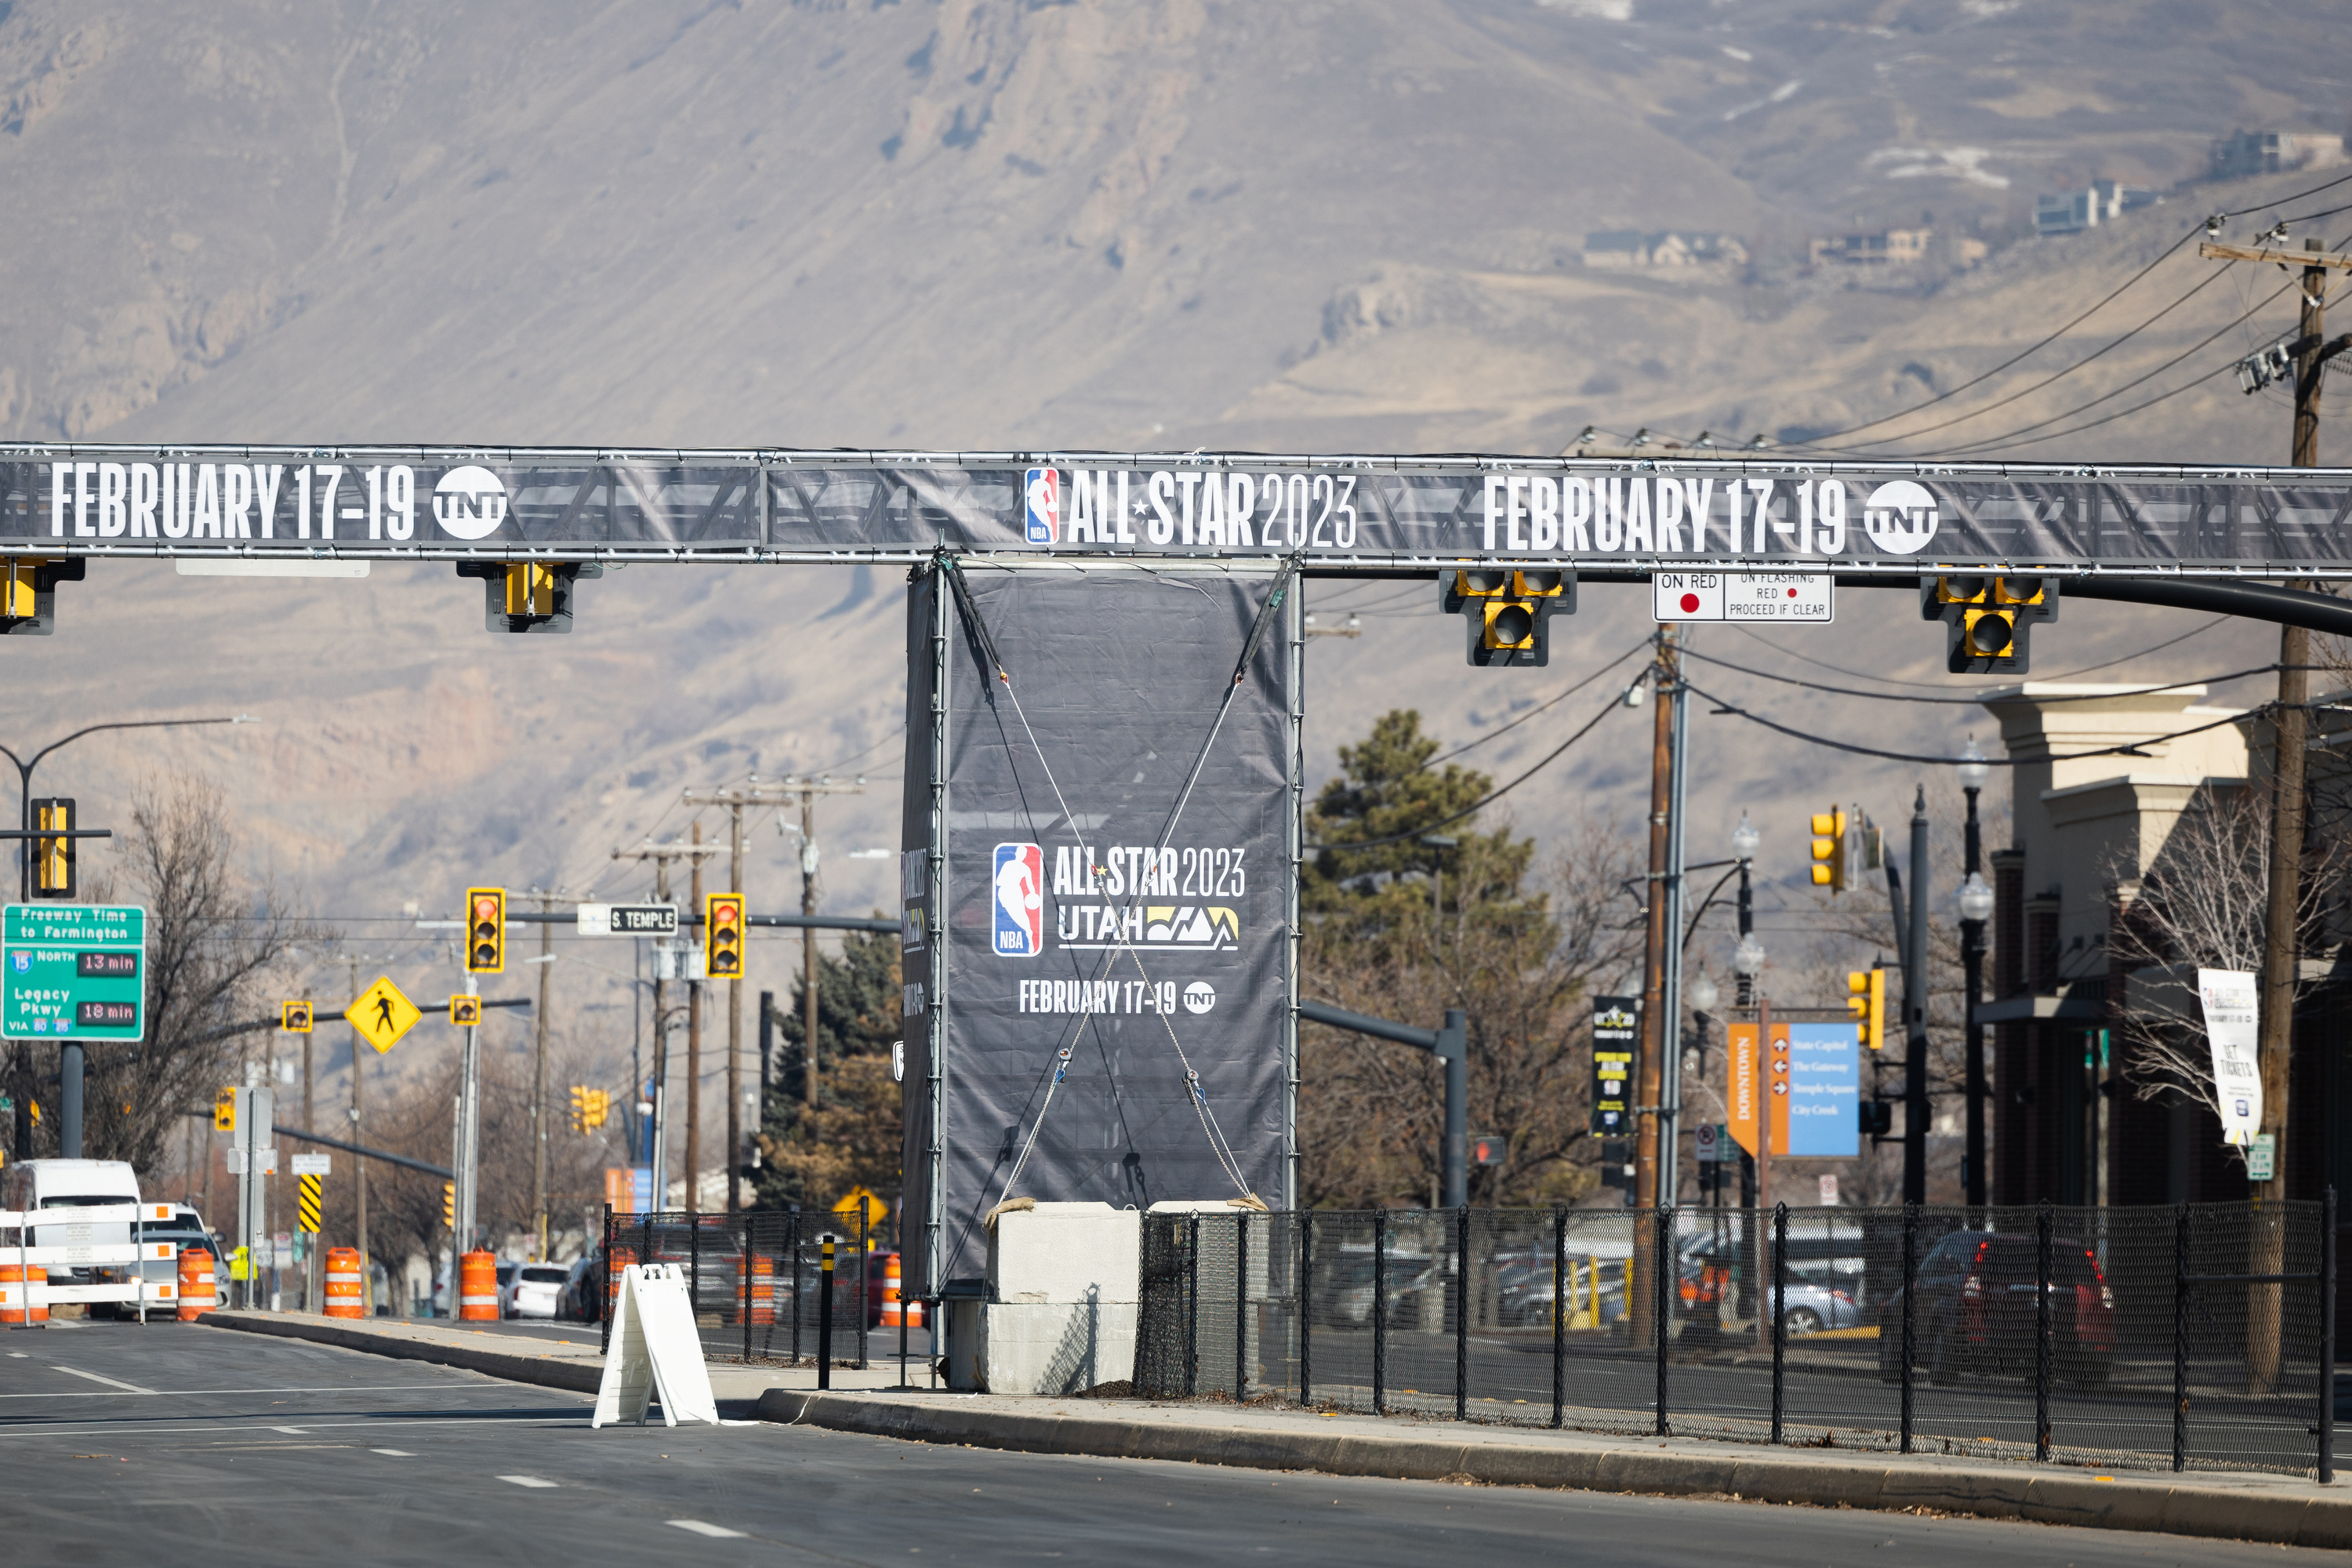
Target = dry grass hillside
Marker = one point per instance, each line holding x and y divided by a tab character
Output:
1167	222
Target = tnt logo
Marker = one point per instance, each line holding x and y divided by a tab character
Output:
1018	930
1042	506
1900	517
469	503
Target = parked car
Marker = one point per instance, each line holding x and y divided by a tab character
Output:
1977	1311
581	1300
531	1291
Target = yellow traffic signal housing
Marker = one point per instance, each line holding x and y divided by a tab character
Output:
1868	1004
1506	609
225	1111
578	1108
1988	618
600	1108
449	1204
464	1011
294	1018
528	596
722	936
1830	868
53	859
28	593
485	930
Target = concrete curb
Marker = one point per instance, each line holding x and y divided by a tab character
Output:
548	1372
2004	1493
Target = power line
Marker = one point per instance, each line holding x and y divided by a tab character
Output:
1544	709
1974	702
2131	750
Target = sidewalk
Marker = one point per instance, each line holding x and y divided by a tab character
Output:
2284	1510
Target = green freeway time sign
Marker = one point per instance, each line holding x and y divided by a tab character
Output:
74	971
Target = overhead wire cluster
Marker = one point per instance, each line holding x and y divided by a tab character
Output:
1854	442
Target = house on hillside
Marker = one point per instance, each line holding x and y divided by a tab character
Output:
2243	155
2102	201
2097	837
1888	247
1628	248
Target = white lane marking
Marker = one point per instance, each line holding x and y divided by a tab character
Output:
396	1453
293	1431
18	1355
111	1383
699	1527
190	1392
525	1481
144	1430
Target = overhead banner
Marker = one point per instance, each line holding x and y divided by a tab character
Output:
1098	999
452	503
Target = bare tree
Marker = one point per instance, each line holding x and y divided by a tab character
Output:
214	937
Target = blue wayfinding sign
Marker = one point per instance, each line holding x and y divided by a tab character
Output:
1824	1091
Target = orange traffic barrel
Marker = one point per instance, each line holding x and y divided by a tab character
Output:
894	1299
16	1299
199	1284
477	1288
346	1283
763	1304
619	1258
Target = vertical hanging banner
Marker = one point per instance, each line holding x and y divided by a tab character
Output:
1098	958
2232	1011
1759	1089
1616	1029
1823	1118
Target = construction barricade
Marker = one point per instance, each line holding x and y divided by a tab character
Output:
199	1284
477	1288
23	1293
894	1301
346	1294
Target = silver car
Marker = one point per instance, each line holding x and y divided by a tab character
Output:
533	1290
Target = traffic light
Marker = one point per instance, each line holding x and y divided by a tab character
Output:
1868	1004
28	593
1504	609
465	1010
528	596
722	936
294	1018
485	930
449	1205
225	1111
1831	869
53	859
1987	619
590	1107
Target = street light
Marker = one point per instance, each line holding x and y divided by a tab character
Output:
1976	900
1748	961
69	1056
1745	842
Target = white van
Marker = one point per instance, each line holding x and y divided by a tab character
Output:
68	1184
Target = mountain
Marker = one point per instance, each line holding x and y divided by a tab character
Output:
1156	224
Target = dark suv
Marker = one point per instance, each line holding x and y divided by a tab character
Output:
1976	1312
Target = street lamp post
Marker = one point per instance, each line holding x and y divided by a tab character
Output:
1748	964
1976	902
69	1054
1745	842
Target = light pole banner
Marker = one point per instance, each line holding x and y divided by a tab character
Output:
1771	510
2232	1025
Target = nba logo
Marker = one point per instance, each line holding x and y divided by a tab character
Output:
1042	506
1018	894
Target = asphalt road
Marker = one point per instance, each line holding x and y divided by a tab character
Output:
180	1445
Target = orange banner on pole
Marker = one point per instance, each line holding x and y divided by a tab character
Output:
1754	1084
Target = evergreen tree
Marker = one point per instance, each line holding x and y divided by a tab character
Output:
811	1155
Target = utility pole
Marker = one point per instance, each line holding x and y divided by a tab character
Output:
359	1166
694	1049
1646	1151
1915	1015
2310	353
661	854
735	797
539	1081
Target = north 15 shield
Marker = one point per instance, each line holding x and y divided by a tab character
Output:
1017	902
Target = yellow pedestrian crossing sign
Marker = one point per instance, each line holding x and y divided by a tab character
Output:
862	1200
382	1015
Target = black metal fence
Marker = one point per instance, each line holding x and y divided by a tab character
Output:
757	1279
2199	1334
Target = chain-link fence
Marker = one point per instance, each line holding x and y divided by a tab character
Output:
756	1281
2198	1334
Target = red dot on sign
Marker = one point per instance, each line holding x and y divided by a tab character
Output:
1793	593
1690	603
